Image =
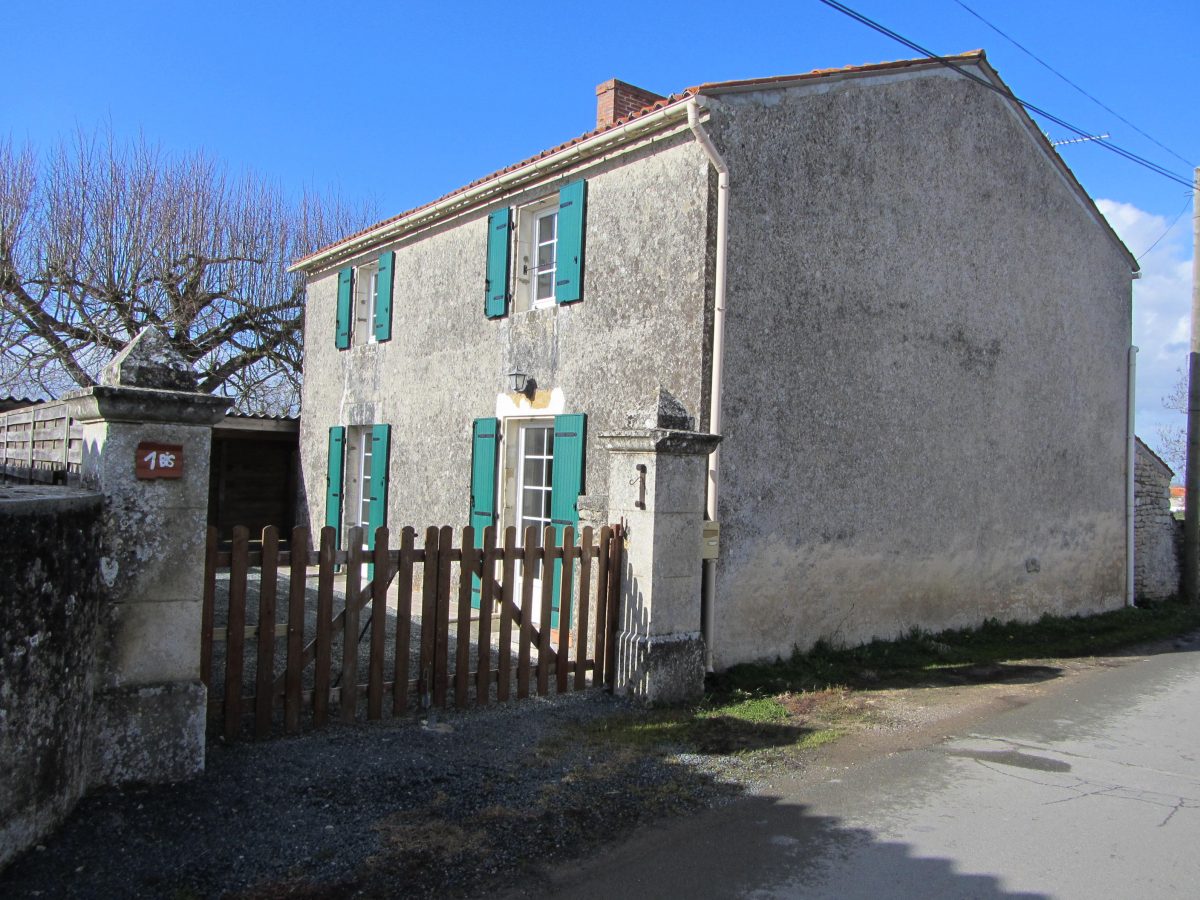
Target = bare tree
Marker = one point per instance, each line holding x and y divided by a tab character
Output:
1172	439
98	240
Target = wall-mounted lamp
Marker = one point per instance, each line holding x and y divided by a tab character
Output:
520	383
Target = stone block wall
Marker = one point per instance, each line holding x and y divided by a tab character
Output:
51	596
100	600
1156	532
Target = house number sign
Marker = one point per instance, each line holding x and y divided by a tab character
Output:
158	460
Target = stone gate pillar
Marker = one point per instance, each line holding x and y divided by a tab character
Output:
146	439
656	486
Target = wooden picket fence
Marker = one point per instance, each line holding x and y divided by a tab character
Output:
441	651
40	444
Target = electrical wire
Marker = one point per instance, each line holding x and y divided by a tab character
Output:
1004	92
1174	222
1053	70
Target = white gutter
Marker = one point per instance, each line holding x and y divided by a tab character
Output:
495	187
1130	465
708	602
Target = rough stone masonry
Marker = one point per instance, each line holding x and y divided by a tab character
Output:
1156	533
51	596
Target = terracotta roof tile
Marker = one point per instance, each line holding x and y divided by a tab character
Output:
617	123
971	56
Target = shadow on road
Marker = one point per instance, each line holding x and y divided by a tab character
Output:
506	798
761	847
996	673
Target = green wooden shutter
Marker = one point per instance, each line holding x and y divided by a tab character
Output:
485	439
383	296
572	206
566	484
381	440
495	303
345	305
333	478
566	479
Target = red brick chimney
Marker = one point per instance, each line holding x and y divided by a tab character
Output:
616	99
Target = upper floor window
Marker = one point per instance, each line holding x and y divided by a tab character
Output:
537	255
366	285
547	265
364	302
545	245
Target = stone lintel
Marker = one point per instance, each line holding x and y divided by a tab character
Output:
105	403
660	440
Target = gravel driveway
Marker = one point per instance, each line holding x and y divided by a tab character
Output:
472	803
457	805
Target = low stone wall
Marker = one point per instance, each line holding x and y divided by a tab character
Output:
100	596
1156	532
51	596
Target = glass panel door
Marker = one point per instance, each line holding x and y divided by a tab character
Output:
534	477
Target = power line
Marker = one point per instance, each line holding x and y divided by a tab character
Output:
1051	68
1004	92
1174	222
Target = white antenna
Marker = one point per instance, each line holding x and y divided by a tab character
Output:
1079	140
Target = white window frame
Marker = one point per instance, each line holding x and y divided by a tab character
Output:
356	490
528	219
366	283
515	431
550	269
547	457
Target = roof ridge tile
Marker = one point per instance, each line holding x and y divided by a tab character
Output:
972	56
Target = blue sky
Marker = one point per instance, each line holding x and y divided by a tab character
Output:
398	103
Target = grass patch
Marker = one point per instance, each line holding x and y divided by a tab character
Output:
814	698
735	725
818	738
751	709
651	728
922	657
741	724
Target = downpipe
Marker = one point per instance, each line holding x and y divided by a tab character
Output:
1130	465
709	581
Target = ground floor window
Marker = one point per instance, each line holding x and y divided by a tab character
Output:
528	473
357	480
535	474
359	447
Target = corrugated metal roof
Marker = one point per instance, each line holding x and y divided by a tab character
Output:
263	416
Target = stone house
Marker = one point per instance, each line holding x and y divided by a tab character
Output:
881	275
1158	534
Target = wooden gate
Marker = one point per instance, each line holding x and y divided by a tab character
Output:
405	617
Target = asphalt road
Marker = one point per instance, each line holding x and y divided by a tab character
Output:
1090	791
